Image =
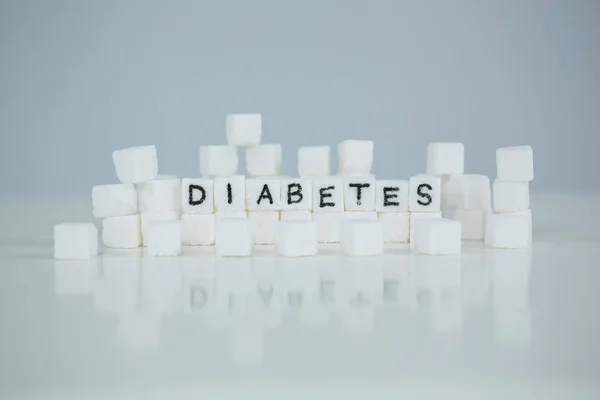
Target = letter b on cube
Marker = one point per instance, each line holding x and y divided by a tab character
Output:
296	194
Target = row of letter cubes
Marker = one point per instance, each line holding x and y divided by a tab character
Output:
421	193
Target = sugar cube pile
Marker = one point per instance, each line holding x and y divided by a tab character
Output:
232	211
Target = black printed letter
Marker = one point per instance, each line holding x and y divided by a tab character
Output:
359	187
229	194
297	192
387	196
191	200
265	194
424	195
324	195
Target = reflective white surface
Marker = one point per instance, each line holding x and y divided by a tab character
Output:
486	324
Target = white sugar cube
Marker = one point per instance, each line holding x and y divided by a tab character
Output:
391	195
153	216
359	193
437	236
233	237
75	241
328	226
159	195
425	193
361	237
296	238
314	161
445	158
524	213
295	215
262	224
510	196
122	232
164	238
114	200
417	216
263	194
296	194
230	214
508	231
328	194
369	215
218	160
355	156
514	163
472	222
136	164
396	226
197	229
197	196
263	160
230	193
469	192
243	129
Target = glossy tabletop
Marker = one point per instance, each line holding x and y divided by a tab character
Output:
486	324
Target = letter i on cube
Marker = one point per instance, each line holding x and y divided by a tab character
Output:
230	193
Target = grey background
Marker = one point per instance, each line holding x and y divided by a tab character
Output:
79	79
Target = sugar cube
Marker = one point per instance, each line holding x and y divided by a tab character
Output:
328	194
359	193
122	232
417	216
361	237
328	226
391	195
164	238
510	196
526	214
445	158
437	236
230	193
220	160
75	241
114	200
197	196
159	195
472	222
197	229
244	129
263	194
507	231
469	192
314	161
262	224
514	163
355	156
152	216
296	194
424	193
230	214
296	238
302	215
233	237
396	226
369	215
136	164
263	160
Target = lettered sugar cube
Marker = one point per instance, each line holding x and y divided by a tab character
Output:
233	237
391	196
230	193
355	156
153	216
361	237
75	241
437	236
328	194
359	193
303	215
159	195
136	164
263	160
424	193
296	194
114	200
263	194
262	224
296	238
197	196
218	160
164	238
243	129
328	226
445	158
510	196
314	161
396	226
124	232
417	216
508	231
472	221
197	229
514	163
